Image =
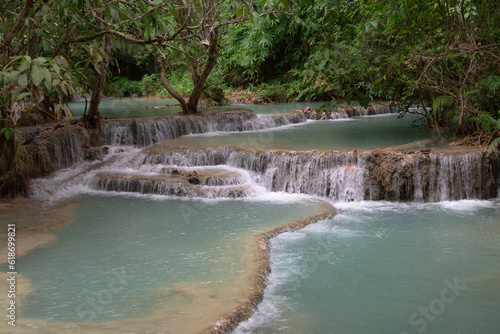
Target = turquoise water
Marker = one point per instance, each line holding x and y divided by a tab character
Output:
279	108
382	268
109	263
374	268
128	107
360	133
138	107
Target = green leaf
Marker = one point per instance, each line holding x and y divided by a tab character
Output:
286	5
61	61
25	65
64	88
37	75
7	134
240	12
57	69
40	60
12	76
23	95
14	93
22	80
20	149
492	83
174	12
107	13
47	76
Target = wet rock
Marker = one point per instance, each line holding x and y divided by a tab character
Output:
350	111
61	147
96	153
193	178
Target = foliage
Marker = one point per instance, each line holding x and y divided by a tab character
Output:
29	81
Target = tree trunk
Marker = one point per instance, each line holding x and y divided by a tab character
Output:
194	98
12	181
93	117
20	23
172	91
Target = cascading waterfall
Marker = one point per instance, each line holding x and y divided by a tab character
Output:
145	132
230	172
347	112
57	148
340	176
170	187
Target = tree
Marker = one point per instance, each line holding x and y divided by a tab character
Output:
200	24
442	54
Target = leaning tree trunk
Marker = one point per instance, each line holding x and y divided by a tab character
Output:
191	106
171	90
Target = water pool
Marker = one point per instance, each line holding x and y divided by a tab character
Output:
124	261
128	107
358	133
387	268
146	107
279	108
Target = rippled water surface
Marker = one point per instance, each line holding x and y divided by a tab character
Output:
126	256
387	268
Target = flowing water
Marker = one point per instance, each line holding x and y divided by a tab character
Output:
380	267
128	107
127	256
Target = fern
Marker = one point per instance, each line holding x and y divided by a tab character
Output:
486	122
494	144
492	83
442	101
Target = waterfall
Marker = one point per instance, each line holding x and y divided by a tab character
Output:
459	177
426	176
347	112
169	186
345	176
340	176
145	132
57	148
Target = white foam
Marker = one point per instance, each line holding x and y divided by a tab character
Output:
467	205
369	206
267	312
291	236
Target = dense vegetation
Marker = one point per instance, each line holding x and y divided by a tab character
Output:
443	55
